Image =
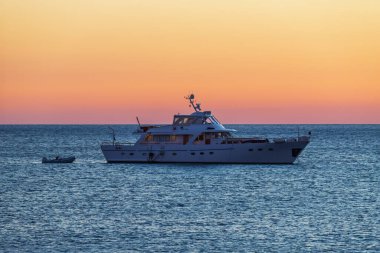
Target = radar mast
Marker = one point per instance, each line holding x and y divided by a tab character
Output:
196	106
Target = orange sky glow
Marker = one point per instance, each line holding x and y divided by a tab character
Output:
249	61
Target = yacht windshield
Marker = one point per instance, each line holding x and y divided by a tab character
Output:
187	120
194	120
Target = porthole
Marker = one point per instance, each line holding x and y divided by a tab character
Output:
250	149
211	153
192	153
131	154
201	153
260	149
270	149
174	153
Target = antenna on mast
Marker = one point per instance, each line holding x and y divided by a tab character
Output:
196	106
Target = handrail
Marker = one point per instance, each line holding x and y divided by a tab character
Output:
116	143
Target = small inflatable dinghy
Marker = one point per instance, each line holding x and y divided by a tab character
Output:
59	159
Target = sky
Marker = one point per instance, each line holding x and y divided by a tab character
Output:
248	61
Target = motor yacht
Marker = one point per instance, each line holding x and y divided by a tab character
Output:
200	138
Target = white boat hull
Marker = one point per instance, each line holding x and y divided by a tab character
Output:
252	153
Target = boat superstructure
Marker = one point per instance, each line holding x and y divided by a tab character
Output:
200	138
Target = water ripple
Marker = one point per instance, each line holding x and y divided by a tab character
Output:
327	201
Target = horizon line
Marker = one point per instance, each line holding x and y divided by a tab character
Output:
72	124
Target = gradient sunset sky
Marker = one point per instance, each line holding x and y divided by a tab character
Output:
249	61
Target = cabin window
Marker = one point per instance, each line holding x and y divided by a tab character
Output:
131	154
218	135
162	138
198	120
185	139
192	153
270	149
199	139
201	153
176	120
174	153
250	149
187	120
149	138
260	149
225	138
208	121
211	153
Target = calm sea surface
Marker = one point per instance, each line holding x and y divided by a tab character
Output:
327	201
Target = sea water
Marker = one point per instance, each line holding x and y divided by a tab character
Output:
327	201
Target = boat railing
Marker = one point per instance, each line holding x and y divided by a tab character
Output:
236	140
163	142
117	143
291	139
